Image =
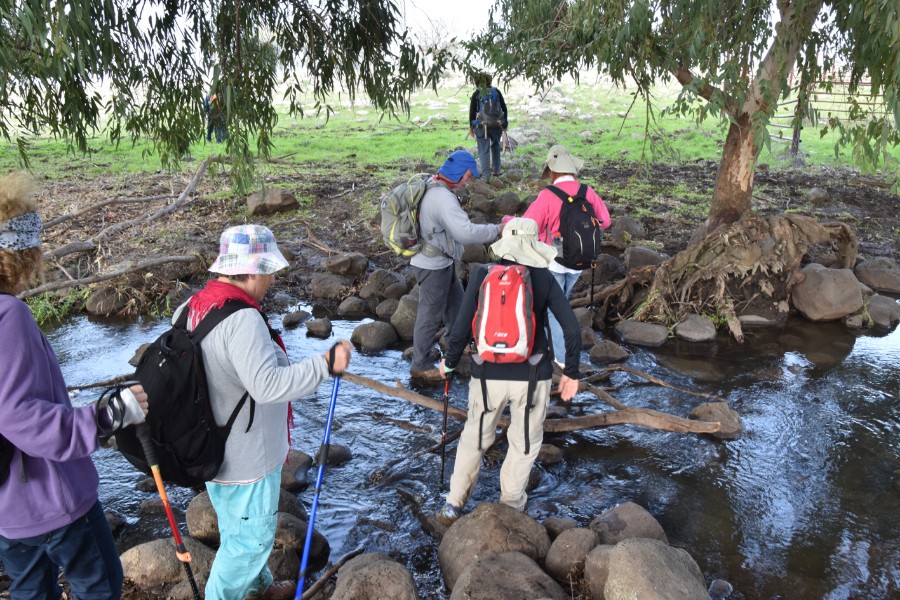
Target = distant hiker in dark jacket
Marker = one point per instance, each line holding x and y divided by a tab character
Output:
445	227
215	118
487	123
508	383
50	515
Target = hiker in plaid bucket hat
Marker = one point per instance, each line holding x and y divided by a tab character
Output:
248	250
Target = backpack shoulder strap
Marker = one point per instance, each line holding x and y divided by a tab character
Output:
582	191
558	192
213	318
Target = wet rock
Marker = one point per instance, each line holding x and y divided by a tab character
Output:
395	291
640	256
556	525
608	269
290	533
568	552
550	455
724	414
154	564
881	274
884	311
271	201
596	569
628	520
588	337
506	576
719	589
319	327
605	351
584	316
136	358
404	318
295	318
106	301
294	473
489	530
374	576
826	294
338	454
352	264
147	484
630	226
284	563
507	203
152	506
386	308
203	525
374	336
328	286
642	334
694	328
353	307
114	520
652	570
382	280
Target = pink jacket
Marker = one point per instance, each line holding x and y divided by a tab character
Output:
545	209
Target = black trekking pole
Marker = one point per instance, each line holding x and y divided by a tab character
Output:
322	458
143	434
444	427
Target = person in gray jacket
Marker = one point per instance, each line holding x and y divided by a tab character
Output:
243	354
445	227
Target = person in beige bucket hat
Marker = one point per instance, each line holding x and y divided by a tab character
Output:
494	385
561	168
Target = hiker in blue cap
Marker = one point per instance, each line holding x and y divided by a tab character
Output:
445	227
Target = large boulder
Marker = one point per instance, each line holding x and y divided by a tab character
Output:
374	577
720	412
568	552
329	286
882	274
374	336
884	311
652	570
628	520
641	256
507	576
596	569
294	473
353	307
290	533
826	294
488	530
642	334
694	328
608	269
203	524
404	318
352	264
271	201
154	564
379	283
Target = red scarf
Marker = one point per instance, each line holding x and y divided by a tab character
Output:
215	295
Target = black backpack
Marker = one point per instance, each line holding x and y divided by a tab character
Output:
490	113
6	454
189	445
580	229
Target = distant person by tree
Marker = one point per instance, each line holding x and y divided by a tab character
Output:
215	118
488	119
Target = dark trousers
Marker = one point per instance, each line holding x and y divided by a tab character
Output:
440	294
84	549
488	141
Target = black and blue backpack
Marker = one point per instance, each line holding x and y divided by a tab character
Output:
490	112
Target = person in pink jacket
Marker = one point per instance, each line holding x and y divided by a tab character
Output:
561	168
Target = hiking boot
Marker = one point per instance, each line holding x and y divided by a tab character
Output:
449	514
278	590
429	376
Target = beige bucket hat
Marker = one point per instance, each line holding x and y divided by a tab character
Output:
519	243
560	160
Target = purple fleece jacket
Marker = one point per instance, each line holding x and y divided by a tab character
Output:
52	480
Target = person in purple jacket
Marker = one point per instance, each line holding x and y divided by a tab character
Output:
50	515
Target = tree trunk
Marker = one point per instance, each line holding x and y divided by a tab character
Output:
734	180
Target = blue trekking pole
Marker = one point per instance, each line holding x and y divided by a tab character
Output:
323	458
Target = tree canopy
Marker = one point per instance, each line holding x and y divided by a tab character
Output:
734	60
141	68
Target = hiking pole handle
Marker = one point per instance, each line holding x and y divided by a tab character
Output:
143	434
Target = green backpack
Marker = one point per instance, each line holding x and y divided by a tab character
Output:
400	216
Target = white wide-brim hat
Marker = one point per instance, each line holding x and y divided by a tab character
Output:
519	243
560	160
248	250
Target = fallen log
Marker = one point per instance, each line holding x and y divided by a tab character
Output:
644	417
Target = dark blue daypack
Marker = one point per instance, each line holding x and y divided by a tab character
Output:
490	113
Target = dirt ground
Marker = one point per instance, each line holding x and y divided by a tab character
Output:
340	214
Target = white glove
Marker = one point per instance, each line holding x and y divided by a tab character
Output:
122	408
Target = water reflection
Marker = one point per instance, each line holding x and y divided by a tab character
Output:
803	505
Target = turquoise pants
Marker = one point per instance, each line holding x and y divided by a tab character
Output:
247	519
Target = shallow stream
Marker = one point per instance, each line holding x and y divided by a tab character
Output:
803	505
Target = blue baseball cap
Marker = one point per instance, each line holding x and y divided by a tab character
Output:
457	164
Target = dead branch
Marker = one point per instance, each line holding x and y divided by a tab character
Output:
71	248
179	202
660	382
143	266
320	583
623	416
99	205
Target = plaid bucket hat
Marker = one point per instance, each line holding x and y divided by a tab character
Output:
248	250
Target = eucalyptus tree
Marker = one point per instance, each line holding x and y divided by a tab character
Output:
733	58
131	69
